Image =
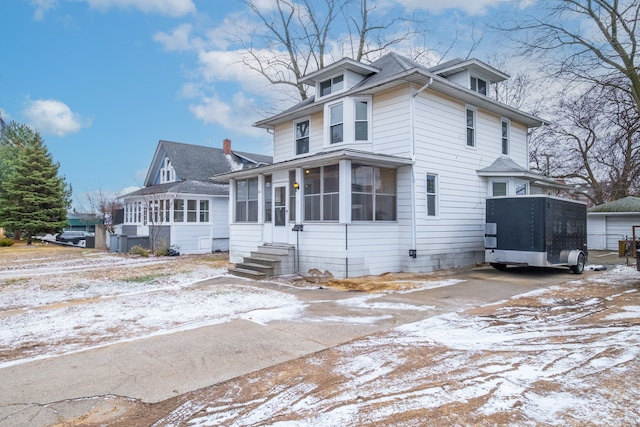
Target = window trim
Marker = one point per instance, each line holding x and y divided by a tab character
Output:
474	128
374	194
348	120
505	149
321	194
500	181
331	79
477	84
248	218
167	171
435	193
295	135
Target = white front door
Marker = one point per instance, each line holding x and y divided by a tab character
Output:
280	214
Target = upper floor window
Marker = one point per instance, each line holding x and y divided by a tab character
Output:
505	136
302	136
471	127
167	172
373	193
348	121
329	86
336	123
362	120
479	85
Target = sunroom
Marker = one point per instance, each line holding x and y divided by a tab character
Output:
340	210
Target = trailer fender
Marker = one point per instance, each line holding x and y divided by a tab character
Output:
573	257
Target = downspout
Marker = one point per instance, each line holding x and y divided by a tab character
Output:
412	119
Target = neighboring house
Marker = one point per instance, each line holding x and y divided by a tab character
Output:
83	221
611	222
386	169
179	206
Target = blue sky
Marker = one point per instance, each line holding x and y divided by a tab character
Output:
104	80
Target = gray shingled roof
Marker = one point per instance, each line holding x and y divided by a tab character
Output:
198	163
503	164
183	187
627	204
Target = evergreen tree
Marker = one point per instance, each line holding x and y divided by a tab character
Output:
12	137
34	198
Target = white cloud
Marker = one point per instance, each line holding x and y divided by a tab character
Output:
237	115
473	7
53	117
179	39
41	7
162	7
126	191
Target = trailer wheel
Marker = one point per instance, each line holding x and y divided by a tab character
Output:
579	267
499	266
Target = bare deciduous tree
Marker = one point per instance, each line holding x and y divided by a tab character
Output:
592	41
297	38
596	142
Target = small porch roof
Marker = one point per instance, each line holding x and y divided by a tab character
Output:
507	168
320	159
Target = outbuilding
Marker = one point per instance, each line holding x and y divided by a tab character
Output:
611	222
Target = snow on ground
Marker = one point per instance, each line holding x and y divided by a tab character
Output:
40	319
557	356
561	355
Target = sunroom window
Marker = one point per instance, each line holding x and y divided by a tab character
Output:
373	193
321	193
247	200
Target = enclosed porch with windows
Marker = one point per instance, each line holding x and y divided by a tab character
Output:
337	212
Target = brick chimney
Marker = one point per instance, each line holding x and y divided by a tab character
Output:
226	146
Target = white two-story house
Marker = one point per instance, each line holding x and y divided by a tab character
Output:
385	169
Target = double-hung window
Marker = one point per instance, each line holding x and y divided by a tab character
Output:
505	136
471	127
348	121
178	210
361	120
204	211
302	136
336	123
373	193
432	195
321	193
192	210
247	200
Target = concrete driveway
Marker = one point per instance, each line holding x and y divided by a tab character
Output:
38	393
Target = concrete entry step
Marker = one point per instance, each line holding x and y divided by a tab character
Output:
248	274
265	262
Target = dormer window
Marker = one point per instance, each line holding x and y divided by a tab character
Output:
167	172
332	85
479	85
